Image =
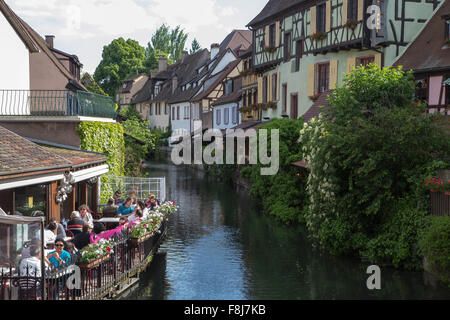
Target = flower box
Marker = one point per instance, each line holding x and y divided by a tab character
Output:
270	49
314	97
350	24
135	241
94	263
318	36
447	42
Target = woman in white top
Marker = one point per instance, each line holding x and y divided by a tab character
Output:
85	215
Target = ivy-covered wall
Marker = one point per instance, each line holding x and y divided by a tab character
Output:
105	138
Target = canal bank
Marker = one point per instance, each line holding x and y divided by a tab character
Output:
220	246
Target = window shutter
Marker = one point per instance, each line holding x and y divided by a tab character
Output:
351	63
278	86
266	36
344	11
360	10
328	17
260	90
277	33
311	79
378	60
312	18
333	73
269	88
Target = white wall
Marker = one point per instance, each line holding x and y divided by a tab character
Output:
221	109
226	59
14	59
183	125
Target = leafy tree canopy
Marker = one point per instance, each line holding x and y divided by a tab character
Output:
120	59
168	41
195	46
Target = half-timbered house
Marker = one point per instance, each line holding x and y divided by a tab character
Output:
303	48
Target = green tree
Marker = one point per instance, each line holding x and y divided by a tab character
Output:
120	59
90	84
168	41
368	158
195	46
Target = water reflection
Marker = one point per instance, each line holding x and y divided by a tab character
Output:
220	246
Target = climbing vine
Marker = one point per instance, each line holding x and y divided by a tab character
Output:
105	138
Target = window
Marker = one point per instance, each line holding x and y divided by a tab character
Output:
31	198
173	113
226	116
321	17
323	77
284	106
255	96
228	87
274	87
234	115
187	113
287	46
352	8
447	90
265	88
218	114
364	61
422	90
178	112
298	54
272	35
166	109
244	99
447	29
151	110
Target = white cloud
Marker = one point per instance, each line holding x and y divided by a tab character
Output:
77	22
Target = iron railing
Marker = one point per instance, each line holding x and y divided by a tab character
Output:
97	281
55	103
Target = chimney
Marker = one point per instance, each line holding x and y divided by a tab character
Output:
214	50
184	55
162	64
174	83
50	40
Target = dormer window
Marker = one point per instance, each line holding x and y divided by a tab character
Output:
228	87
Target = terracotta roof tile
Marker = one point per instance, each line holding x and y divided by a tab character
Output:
18	154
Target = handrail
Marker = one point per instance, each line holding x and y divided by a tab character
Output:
52	103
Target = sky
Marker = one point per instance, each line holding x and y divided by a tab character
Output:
83	27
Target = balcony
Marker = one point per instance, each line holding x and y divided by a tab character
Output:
55	103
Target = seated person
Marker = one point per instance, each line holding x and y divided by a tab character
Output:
111	209
99	227
83	239
126	209
32	267
153	204
59	257
136	216
75	225
86	216
117	200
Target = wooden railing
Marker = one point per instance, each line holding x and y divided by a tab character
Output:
440	204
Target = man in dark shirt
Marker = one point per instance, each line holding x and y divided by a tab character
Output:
117	200
75	225
83	239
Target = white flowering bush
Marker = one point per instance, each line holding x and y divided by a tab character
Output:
97	250
152	222
321	183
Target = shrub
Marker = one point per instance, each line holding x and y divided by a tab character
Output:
371	148
435	246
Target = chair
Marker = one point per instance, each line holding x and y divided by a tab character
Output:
70	234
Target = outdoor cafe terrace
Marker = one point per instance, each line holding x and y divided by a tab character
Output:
111	260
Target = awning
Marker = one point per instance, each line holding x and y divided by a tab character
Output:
301	164
20	220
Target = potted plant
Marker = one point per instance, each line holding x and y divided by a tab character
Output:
95	253
270	49
435	184
350	24
447	42
319	35
272	105
315	97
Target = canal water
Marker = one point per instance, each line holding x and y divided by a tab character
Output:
221	247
